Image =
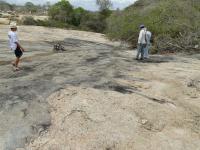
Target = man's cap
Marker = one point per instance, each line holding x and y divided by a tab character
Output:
142	26
13	25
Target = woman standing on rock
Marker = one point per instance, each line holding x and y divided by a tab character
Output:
14	45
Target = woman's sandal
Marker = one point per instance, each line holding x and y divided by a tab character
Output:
14	65
17	69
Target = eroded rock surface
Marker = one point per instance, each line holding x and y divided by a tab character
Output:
95	95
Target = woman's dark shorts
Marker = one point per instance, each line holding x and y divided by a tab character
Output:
18	52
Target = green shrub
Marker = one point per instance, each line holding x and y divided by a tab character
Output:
47	23
62	11
29	21
52	23
172	20
63	15
94	24
79	16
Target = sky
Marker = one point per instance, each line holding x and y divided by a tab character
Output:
87	4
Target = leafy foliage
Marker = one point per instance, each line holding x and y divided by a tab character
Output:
104	4
172	20
79	15
61	11
94	23
29	21
63	15
30	7
5	6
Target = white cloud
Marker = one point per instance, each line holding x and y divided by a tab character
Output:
87	4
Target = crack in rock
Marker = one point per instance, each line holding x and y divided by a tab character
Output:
84	114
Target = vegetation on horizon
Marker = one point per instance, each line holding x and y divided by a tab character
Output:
175	24
62	14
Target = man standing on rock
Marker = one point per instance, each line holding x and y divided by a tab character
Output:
148	40
142	43
14	44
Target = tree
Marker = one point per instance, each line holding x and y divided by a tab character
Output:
61	11
13	7
104	7
30	7
104	4
78	15
5	6
105	12
29	4
47	5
